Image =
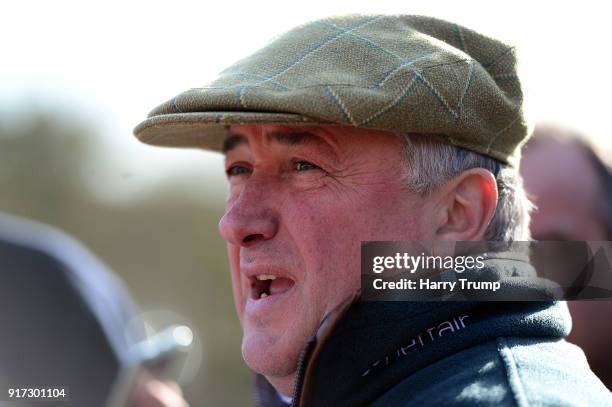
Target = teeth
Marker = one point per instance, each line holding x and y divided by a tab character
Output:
263	295
263	277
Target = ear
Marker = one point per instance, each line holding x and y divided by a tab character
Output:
467	205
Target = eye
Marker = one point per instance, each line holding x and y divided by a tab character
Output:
237	169
305	166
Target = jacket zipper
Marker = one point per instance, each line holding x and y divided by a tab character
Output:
304	356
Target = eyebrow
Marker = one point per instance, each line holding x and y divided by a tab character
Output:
232	141
281	137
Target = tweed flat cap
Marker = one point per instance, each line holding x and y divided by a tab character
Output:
408	74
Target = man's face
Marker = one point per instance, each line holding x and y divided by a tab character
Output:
301	200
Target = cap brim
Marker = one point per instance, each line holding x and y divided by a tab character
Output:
206	130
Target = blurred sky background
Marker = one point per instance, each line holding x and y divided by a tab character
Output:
76	77
112	61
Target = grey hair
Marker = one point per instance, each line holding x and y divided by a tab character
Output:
430	163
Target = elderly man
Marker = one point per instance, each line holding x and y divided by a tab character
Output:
369	128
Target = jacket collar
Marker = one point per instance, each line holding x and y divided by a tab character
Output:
364	348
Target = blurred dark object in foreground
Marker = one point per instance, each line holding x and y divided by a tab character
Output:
57	167
571	187
63	317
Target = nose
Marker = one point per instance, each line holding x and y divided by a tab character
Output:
251	217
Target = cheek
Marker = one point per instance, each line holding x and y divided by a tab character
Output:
328	239
327	244
327	232
332	228
390	216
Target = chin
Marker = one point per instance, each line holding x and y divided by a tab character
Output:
271	355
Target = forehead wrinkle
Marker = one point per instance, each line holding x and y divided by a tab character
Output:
301	138
288	136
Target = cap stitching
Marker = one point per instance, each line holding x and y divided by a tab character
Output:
345	112
422	69
317	47
404	63
459	33
498	58
174	104
467	86
498	133
505	76
407	91
438	95
367	40
253	75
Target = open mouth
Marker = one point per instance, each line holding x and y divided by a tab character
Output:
265	285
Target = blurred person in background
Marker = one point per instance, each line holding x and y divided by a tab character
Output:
363	128
69	325
571	188
51	171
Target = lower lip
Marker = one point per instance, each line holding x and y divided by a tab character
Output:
265	306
